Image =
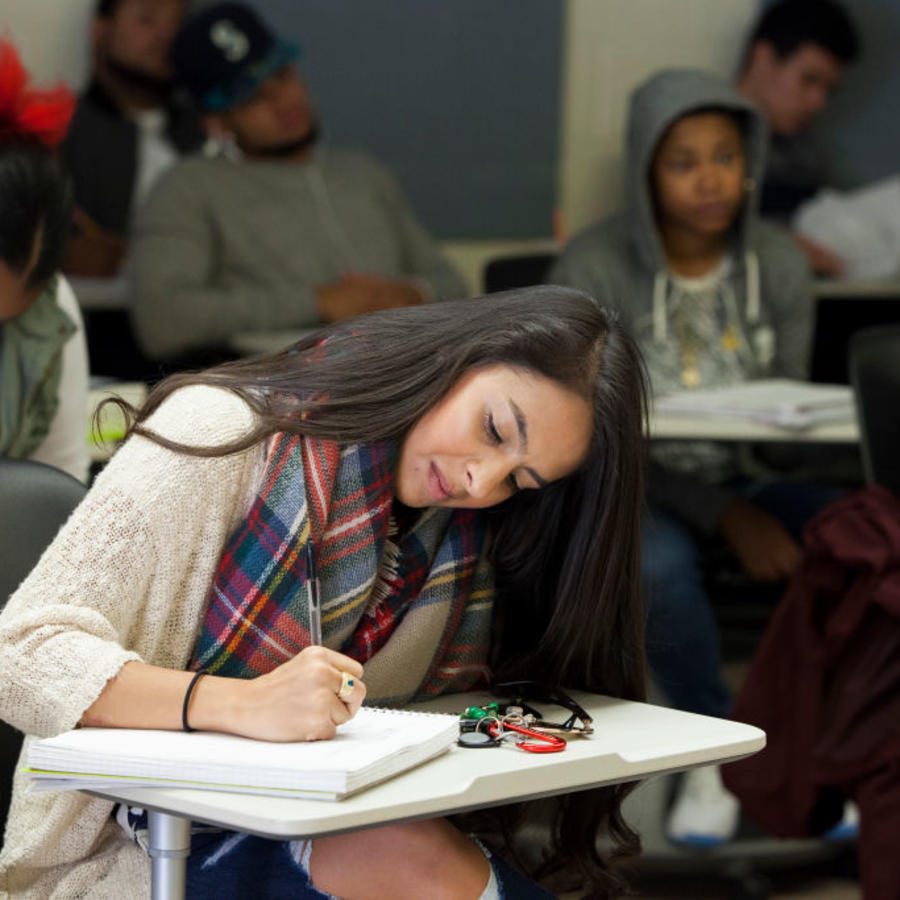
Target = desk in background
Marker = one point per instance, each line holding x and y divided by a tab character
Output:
667	426
101	293
631	741
845	287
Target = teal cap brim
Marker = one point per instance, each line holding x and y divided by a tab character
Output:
240	90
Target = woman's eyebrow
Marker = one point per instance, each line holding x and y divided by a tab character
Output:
522	427
521	424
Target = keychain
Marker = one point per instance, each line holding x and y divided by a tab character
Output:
483	726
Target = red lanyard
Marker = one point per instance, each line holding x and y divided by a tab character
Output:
548	743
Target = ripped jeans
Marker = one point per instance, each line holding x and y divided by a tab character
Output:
230	865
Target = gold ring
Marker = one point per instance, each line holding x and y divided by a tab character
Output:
348	682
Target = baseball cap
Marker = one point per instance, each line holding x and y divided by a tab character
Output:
224	52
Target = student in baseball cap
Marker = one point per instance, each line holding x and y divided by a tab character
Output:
225	52
268	230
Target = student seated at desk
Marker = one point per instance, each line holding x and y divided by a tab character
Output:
43	356
275	231
713	296
470	476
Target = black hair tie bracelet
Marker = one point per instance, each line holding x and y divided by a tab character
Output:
187	698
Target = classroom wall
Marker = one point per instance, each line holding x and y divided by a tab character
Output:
458	98
51	36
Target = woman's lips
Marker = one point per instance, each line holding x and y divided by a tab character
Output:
715	210
437	484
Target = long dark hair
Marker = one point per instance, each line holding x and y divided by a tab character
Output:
568	606
37	201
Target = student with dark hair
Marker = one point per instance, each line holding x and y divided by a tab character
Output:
43	358
714	296
470	476
792	63
129	126
275	230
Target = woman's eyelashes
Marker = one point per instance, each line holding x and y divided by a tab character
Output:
490	430
495	438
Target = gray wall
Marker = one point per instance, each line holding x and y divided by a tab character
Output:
460	98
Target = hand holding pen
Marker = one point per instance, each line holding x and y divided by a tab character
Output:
307	697
314	600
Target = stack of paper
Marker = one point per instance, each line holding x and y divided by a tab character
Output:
773	401
373	746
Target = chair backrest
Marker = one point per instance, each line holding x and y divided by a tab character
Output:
507	272
875	376
35	500
838	318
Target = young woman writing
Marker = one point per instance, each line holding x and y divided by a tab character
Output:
470	475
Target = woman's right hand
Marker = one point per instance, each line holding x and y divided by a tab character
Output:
298	701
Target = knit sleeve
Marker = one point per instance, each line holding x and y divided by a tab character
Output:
127	575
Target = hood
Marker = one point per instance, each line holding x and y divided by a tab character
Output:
655	105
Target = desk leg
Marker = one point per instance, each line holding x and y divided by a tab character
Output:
170	844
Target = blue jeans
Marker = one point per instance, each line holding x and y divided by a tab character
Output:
233	866
682	634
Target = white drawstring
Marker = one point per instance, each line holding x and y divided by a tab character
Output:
751	261
660	285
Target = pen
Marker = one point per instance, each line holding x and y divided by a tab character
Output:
312	596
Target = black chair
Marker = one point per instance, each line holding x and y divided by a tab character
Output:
507	272
35	500
874	362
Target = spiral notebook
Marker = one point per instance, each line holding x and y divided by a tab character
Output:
373	746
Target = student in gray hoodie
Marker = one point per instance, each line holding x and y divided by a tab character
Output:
714	296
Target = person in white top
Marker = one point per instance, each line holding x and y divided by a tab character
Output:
43	357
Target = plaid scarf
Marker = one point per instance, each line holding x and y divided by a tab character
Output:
414	608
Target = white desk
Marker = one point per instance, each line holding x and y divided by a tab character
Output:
849	287
631	741
702	428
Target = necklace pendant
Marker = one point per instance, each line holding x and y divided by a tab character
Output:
730	338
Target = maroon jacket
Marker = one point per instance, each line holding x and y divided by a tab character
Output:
825	682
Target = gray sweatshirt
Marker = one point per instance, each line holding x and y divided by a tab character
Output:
225	247
763	296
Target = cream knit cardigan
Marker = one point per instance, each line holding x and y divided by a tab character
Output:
125	579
